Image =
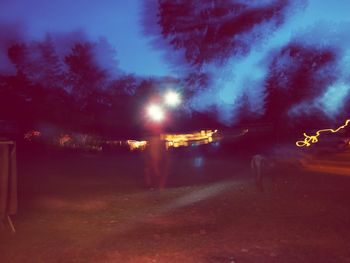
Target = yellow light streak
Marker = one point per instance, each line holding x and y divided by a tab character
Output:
314	138
133	145
177	140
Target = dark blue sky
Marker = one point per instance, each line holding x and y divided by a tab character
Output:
117	20
310	24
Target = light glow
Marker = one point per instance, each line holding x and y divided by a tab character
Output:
314	138
134	145
172	98
155	112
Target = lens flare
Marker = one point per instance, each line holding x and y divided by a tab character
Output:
172	98
155	112
314	138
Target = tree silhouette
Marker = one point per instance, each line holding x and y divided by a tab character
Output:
84	74
292	81
208	30
51	65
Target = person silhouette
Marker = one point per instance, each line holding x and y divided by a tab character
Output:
156	162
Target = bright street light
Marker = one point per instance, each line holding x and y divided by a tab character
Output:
155	112
172	98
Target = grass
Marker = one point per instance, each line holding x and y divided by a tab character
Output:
93	208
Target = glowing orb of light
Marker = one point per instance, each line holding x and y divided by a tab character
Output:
172	98
155	112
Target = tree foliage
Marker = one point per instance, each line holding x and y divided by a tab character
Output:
207	30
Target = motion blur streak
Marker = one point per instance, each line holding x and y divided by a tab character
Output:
195	196
199	195
31	134
133	145
314	138
177	140
64	139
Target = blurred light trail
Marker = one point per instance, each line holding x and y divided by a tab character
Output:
177	140
190	197
332	164
134	145
32	134
155	112
92	143
64	139
314	138
199	195
196	138
172	98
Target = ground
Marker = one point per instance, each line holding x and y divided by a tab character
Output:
93	208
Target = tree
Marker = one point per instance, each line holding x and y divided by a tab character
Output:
84	74
209	30
292	81
51	66
212	32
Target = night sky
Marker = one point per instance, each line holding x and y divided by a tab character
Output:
116	20
264	49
